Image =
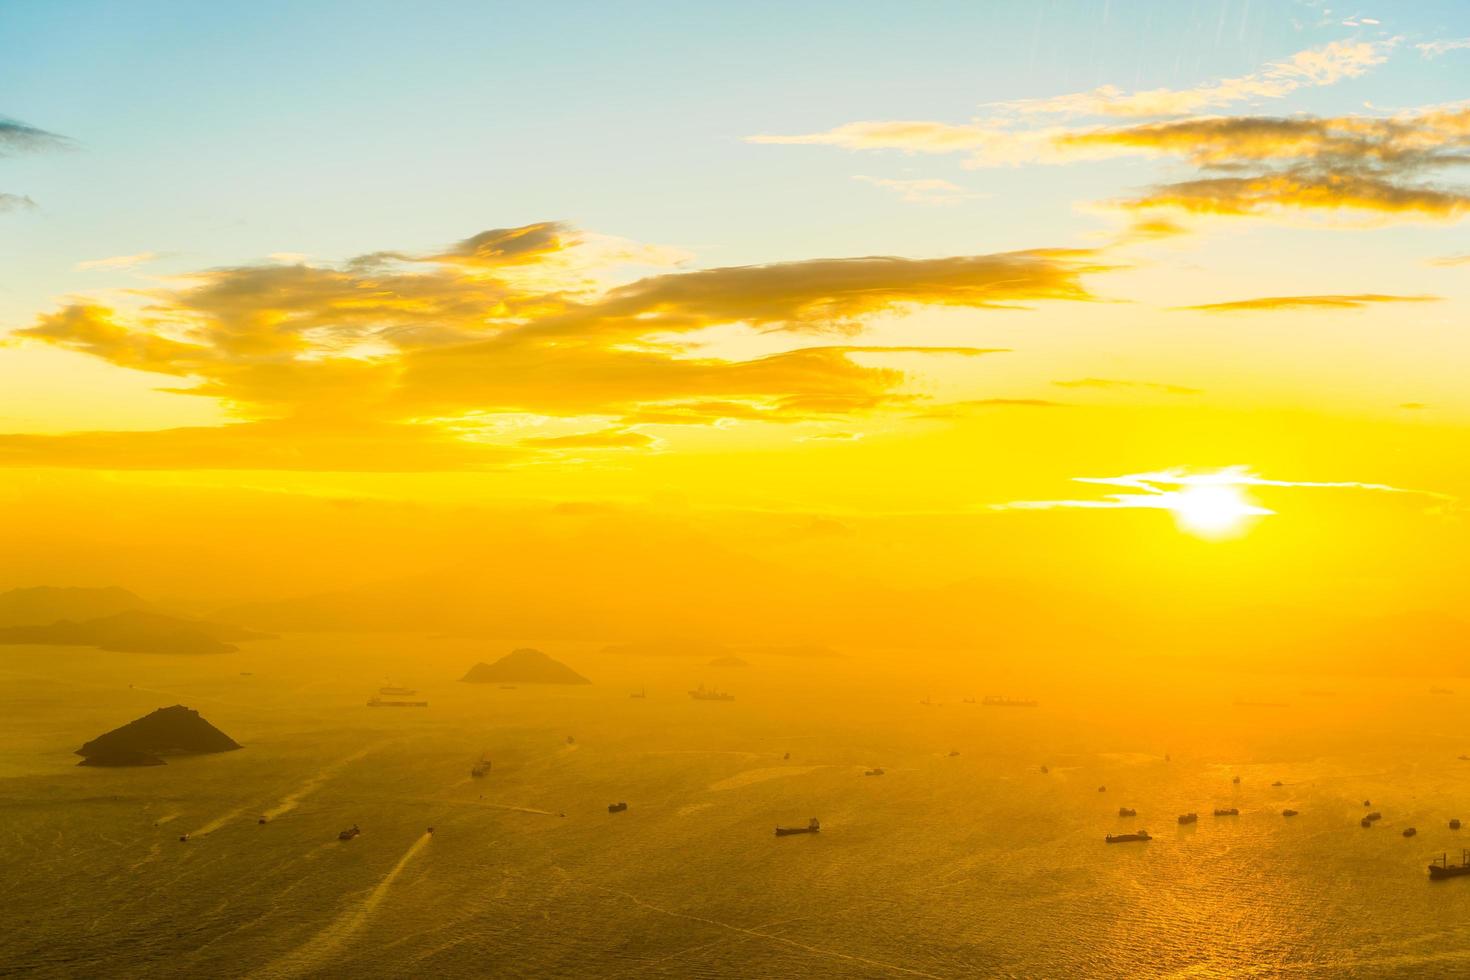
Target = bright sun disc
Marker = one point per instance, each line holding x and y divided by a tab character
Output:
1212	510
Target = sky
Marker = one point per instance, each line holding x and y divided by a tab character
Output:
1107	305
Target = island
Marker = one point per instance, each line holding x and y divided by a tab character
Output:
135	631
168	731
524	666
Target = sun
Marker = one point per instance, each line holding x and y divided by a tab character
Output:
1212	510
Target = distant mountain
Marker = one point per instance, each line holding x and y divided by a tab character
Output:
135	631
47	604
167	731
524	666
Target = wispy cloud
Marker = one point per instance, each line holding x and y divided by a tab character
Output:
1433	49
1344	301
119	261
928	190
1162	490
1107	383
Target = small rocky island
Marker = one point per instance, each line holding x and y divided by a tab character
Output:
167	731
524	666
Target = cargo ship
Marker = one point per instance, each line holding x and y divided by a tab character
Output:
380	703
616	807
1188	817
813	826
993	701
702	693
1442	868
1232	812
481	768
1125	838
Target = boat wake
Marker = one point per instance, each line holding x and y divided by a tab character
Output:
292	799
310	955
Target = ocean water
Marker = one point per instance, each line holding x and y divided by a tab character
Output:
946	866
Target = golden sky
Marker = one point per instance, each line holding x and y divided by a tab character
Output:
1190	333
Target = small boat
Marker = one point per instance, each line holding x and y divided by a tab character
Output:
1044	770
1454	823
1278	783
813	826
1188	817
1375	815
183	838
953	753
1410	831
1288	813
481	768
873	772
1365	822
1232	812
1127	811
1463	758
1102	789
349	833
786	756
642	693
1367	802
261	820
571	741
431	830
1236	780
1125	838
1441	867
616	807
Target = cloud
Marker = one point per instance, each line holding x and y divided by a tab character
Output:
17	137
1387	167
1433	49
923	190
1450	260
615	438
1112	383
119	261
1326	65
359	447
516	322
1162	490
1346	301
961	409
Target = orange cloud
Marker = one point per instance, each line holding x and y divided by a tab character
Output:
1347	301
418	349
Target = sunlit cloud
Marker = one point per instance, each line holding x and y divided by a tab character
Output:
1345	301
543	320
1198	495
118	261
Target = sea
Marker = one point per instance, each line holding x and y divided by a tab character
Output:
963	859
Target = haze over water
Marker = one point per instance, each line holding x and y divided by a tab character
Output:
944	866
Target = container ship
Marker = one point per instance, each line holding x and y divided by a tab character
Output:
1441	868
1125	838
702	693
813	826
